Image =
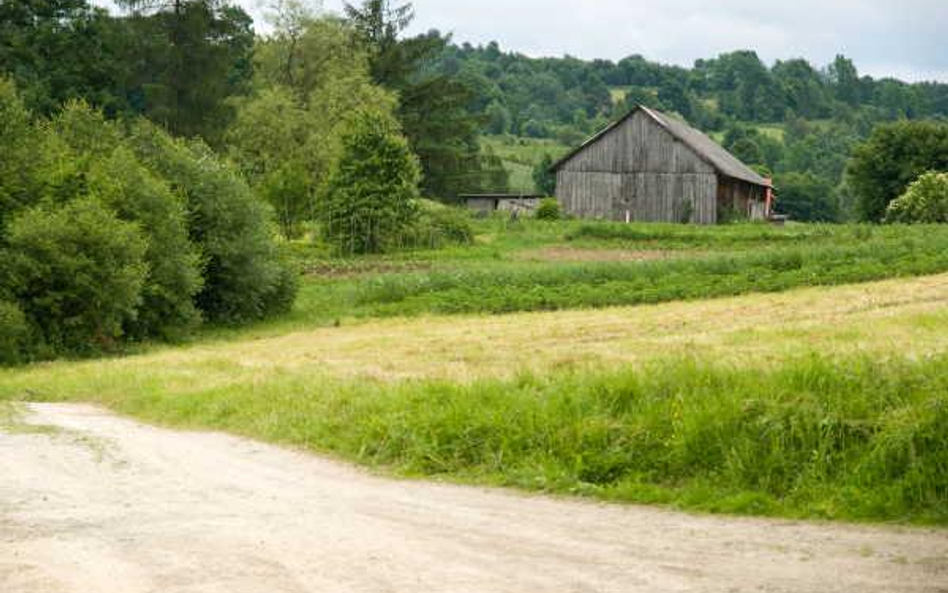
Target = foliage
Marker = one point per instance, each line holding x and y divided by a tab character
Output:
549	209
61	50
14	333
285	137
434	106
288	192
185	59
244	277
369	205
77	272
805	197
925	201
544	179
439	225
894	156
18	145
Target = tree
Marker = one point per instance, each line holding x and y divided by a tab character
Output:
895	155
189	57
286	136
434	107
58	50
925	201
806	198
244	276
18	147
844	78
370	198
543	178
77	272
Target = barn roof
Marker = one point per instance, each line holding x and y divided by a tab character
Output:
706	148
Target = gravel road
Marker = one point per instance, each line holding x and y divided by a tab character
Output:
94	503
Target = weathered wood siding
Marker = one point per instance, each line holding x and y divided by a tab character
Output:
638	171
741	198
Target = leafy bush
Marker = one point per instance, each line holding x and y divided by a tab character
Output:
926	201
77	272
369	205
549	209
174	271
13	333
244	277
439	225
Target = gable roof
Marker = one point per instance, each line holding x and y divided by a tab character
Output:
706	148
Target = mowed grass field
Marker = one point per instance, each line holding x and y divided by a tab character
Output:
798	372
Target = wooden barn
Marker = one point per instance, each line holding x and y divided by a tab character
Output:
651	167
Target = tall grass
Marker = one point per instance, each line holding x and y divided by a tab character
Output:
526	287
851	438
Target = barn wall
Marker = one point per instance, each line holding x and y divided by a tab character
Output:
642	197
640	169
741	197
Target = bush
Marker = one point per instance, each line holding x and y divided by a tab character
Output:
370	202
244	277
174	271
549	210
77	272
13	333
439	225
926	201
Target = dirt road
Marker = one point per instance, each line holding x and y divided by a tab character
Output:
100	504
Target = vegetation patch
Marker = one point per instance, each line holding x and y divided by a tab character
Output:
840	438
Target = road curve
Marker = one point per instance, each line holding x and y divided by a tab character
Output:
100	504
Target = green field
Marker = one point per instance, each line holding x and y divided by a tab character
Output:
797	371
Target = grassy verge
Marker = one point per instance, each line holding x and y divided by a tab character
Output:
842	438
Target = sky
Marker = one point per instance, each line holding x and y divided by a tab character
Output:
905	39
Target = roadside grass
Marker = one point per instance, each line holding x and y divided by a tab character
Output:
813	436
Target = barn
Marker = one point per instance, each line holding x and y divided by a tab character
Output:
652	167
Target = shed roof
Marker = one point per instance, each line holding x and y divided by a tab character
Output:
706	148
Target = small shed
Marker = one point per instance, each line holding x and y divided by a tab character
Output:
487	203
652	167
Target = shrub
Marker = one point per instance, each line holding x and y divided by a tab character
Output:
13	333
440	225
926	201
549	209
370	197
77	272
244	277
174	271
